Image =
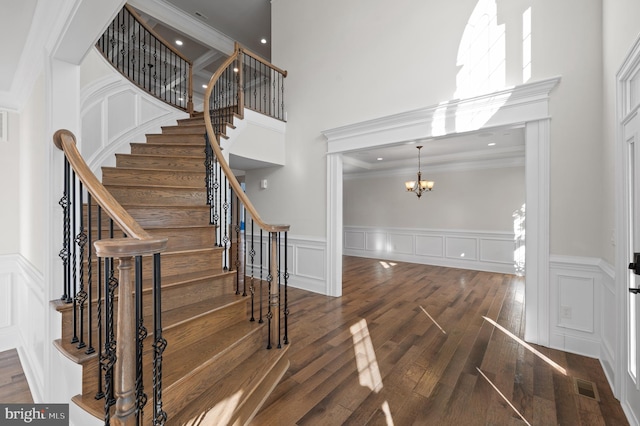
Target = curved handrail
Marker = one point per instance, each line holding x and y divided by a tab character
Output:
155	34
237	188
135	64
66	142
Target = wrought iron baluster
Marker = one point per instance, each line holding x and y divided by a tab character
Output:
252	254
261	320
66	235
286	287
141	335
90	348
74	267
160	344
277	282
102	352
81	242
269	290
225	238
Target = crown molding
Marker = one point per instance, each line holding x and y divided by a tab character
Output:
517	104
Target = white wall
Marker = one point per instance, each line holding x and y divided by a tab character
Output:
366	59
9	172
478	200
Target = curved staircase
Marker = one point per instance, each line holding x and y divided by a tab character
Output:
216	368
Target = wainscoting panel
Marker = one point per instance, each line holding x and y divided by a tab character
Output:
401	243
432	246
5	300
462	248
306	261
478	250
576	303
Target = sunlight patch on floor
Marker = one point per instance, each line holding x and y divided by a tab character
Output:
221	413
527	346
368	371
434	321
503	397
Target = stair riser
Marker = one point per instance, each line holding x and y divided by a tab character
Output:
152	217
179	339
137	177
197	129
159	196
172	297
188	163
178	138
178	395
169	150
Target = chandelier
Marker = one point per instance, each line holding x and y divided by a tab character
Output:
419	186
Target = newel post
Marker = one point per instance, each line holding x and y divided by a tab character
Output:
125	249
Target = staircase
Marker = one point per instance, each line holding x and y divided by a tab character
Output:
216	368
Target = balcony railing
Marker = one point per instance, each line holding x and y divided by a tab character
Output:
147	60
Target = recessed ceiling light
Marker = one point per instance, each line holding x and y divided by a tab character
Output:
380	158
491	144
179	42
263	40
235	69
204	86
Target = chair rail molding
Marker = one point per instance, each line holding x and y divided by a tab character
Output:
526	104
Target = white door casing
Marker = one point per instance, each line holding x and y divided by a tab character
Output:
526	104
627	383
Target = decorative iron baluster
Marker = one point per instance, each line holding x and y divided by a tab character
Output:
286	287
269	284
81	241
261	320
141	397
74	267
160	344
277	282
66	235
243	250
225	238
252	254
90	348
236	228
102	353
109	358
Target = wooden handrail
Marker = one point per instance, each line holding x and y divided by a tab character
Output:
66	142
237	188
259	59
155	34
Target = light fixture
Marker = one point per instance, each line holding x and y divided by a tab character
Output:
179	42
263	40
419	186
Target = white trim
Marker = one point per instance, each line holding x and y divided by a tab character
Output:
629	67
479	258
527	103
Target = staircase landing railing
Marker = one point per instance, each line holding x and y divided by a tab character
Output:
119	345
146	59
257	250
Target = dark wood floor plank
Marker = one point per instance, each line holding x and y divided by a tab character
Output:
13	383
427	377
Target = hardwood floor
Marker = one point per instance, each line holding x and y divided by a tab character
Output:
14	388
407	344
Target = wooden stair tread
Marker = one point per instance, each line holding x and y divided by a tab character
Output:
206	351
176	317
220	402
